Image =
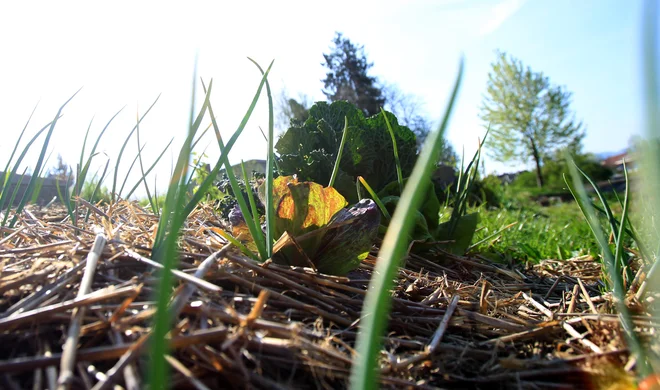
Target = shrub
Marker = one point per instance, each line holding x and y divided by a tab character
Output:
102	193
309	149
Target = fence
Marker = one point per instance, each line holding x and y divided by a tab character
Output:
47	193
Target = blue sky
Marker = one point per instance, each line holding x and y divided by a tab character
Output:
126	53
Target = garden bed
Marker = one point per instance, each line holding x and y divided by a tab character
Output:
456	322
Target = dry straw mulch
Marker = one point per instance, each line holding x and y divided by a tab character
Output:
456	322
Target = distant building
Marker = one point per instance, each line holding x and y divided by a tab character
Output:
508	178
615	163
47	191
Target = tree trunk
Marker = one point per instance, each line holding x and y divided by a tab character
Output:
537	161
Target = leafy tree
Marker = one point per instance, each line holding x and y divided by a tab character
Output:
347	77
529	118
555	167
408	110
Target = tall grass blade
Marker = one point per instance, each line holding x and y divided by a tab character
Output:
82	152
618	253
275	163
40	180
143	178
151	167
248	216
8	178
13	152
83	173
98	186
130	169
247	252
397	162
208	181
248	189
203	133
37	168
271	161
255	230
180	171
364	372
615	277
13	195
165	247
121	152
466	181
340	153
156	201
375	198
66	196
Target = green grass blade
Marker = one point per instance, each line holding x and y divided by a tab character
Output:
375	198
275	164
121	152
13	195
195	167
253	203
239	245
165	248
151	167
66	197
199	194
358	189
580	195
98	186
615	226
82	155
143	178
397	162
180	171
618	252
271	162
40	180
365	370
130	169
83	173
465	183
37	189
37	168
255	230
13	152
156	202
8	178
201	135
488	237
340	152
606	206
460	171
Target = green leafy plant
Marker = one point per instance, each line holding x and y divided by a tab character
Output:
454	235
314	228
310	150
94	192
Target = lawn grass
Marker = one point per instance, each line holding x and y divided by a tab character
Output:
558	231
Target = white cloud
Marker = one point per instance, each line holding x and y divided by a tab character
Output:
499	14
